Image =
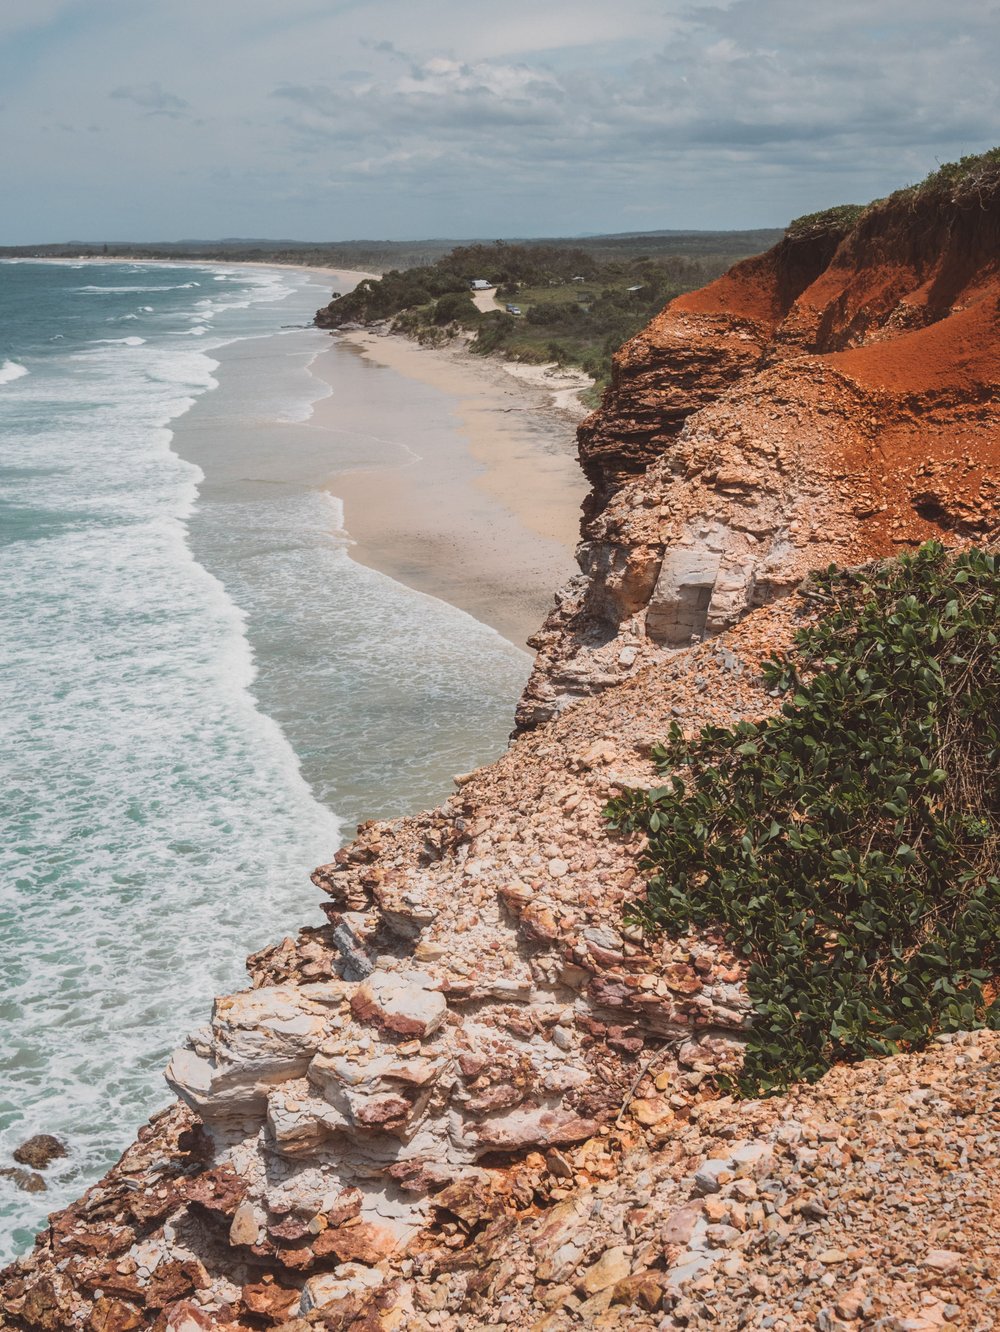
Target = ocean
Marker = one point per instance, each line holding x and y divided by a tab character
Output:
200	691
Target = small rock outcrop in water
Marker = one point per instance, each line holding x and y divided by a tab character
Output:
39	1151
28	1181
476	1099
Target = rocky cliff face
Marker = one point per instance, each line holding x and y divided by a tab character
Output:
476	1098
835	399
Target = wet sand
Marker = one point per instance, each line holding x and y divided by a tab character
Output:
461	478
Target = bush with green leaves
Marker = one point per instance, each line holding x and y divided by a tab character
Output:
456	307
848	847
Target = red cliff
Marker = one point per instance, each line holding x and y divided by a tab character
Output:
835	399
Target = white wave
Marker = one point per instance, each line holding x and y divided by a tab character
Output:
11	370
125	342
94	290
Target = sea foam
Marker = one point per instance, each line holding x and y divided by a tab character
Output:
11	370
157	825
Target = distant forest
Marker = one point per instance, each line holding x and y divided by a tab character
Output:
377	256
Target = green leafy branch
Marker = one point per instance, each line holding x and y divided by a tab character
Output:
849	846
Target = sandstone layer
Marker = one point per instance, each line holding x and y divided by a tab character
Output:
477	1098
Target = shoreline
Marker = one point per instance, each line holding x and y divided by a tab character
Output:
478	503
484	512
354	274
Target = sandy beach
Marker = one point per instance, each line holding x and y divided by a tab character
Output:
350	277
347	277
469	491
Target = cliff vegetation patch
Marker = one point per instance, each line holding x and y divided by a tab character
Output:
838	219
972	179
849	847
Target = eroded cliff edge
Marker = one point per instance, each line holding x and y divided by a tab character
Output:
837	398
474	1099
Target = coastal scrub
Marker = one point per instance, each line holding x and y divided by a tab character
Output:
849	847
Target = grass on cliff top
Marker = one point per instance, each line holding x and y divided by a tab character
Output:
849	847
972	179
840	218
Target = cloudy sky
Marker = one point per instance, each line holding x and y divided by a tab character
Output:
337	119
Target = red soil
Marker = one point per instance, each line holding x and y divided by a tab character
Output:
905	307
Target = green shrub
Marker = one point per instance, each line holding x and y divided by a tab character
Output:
495	330
849	847
972	178
558	315
456	307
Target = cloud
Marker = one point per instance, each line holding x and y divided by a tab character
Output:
17	16
377	117
759	77
154	99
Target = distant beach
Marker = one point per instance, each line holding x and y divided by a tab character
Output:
490	526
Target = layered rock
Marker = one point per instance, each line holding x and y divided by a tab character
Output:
835	399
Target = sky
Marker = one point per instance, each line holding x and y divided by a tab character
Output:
403	119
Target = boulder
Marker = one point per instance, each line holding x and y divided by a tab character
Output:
407	1002
39	1151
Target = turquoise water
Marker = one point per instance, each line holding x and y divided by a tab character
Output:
197	685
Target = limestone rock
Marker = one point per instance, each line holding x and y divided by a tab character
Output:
258	1038
187	1317
612	1267
346	1279
245	1226
944	1261
407	1002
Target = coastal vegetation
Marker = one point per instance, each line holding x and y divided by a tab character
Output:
840	218
971	180
570	304
848	847
379	256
